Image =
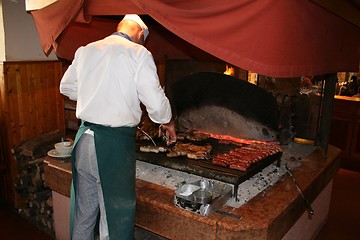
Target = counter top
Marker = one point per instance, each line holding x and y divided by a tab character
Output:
354	99
269	215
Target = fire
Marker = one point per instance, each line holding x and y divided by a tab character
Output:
229	71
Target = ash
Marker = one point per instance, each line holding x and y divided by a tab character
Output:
292	156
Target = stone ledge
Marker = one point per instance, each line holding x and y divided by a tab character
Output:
269	215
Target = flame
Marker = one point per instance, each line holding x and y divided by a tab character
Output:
229	71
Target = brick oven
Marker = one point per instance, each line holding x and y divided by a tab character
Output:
238	116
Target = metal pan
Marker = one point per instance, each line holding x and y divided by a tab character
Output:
202	196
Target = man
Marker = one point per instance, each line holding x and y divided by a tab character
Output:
108	79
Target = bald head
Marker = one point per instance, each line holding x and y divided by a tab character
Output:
133	29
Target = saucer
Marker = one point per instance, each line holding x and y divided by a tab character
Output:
56	154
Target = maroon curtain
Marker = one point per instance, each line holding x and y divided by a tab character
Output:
52	20
279	38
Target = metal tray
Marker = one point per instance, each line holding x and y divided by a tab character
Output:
184	198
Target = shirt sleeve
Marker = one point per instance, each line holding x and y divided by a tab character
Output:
151	94
69	81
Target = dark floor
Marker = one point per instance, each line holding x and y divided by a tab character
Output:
343	222
344	215
14	227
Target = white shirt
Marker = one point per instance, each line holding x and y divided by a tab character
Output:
109	78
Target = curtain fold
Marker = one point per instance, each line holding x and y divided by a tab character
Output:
52	20
281	38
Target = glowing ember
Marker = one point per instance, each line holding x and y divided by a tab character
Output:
231	139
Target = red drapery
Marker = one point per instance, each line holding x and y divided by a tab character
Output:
279	38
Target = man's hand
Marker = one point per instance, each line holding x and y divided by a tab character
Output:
167	131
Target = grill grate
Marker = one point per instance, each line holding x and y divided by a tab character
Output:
204	167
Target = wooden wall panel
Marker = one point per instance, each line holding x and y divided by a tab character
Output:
31	105
2	143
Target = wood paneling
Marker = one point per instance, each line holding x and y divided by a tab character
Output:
31	105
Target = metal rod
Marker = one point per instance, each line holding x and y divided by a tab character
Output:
228	214
147	136
308	205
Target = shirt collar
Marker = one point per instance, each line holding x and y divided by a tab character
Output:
121	34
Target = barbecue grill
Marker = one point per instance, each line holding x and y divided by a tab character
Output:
204	167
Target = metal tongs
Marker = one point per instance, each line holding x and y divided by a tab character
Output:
168	141
308	205
163	134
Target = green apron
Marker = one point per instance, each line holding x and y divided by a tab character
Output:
115	151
